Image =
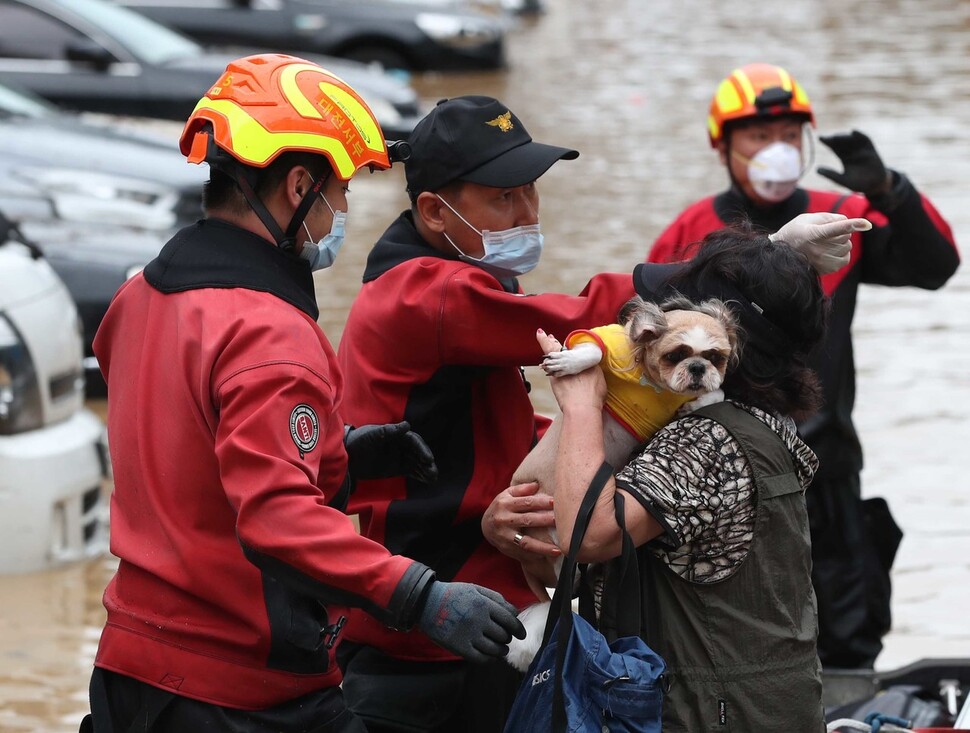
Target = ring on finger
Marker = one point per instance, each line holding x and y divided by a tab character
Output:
518	538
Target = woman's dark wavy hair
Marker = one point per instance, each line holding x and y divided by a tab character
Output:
785	290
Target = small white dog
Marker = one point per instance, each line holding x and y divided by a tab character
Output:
659	361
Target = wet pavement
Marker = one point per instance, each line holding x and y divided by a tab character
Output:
628	84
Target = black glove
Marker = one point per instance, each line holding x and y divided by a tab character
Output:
380	451
864	169
474	622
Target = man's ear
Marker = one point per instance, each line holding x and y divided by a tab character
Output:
429	208
722	150
296	184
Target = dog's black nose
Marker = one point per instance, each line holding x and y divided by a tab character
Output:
696	368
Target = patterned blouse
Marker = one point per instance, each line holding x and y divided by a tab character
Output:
695	480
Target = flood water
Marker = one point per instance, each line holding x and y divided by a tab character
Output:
627	82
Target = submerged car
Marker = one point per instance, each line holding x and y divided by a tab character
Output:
52	450
56	166
93	262
96	56
414	34
97	201
511	7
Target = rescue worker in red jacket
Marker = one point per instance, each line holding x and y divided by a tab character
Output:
437	336
231	459
756	124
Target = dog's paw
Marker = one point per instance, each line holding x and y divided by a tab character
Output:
556	363
571	361
522	651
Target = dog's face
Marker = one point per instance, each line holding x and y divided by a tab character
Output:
684	350
691	356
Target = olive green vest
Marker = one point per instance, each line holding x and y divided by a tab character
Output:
741	652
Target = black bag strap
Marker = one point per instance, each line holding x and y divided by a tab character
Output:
584	592
560	609
627	611
620	599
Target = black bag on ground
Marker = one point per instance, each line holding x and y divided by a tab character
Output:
909	702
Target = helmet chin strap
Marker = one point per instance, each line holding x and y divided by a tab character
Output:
729	155
286	241
316	188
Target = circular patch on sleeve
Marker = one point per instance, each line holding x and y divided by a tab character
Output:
304	427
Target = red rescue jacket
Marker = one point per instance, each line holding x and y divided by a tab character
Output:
227	447
440	343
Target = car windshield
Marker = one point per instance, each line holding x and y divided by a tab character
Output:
145	39
16	104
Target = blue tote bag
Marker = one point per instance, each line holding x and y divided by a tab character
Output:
579	682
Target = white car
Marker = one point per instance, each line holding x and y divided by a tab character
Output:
52	450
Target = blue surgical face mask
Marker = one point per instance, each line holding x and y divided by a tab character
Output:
508	253
322	254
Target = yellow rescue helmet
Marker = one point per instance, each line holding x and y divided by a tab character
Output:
756	90
267	104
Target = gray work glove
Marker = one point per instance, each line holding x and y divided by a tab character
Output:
823	237
863	168
473	622
381	451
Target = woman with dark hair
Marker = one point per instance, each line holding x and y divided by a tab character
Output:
715	501
779	302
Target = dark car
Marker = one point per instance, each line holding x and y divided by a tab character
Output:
512	7
417	35
99	203
95	56
93	262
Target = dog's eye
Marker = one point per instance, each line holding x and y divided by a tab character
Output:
716	358
677	355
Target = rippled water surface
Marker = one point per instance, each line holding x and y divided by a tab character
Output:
627	82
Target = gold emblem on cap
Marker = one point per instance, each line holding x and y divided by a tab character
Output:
502	122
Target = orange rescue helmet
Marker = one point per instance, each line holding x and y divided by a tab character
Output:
756	90
267	104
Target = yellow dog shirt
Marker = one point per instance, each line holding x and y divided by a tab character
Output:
641	408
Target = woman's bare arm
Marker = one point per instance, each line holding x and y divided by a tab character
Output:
581	453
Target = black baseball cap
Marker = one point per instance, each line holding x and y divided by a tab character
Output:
651	280
476	139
